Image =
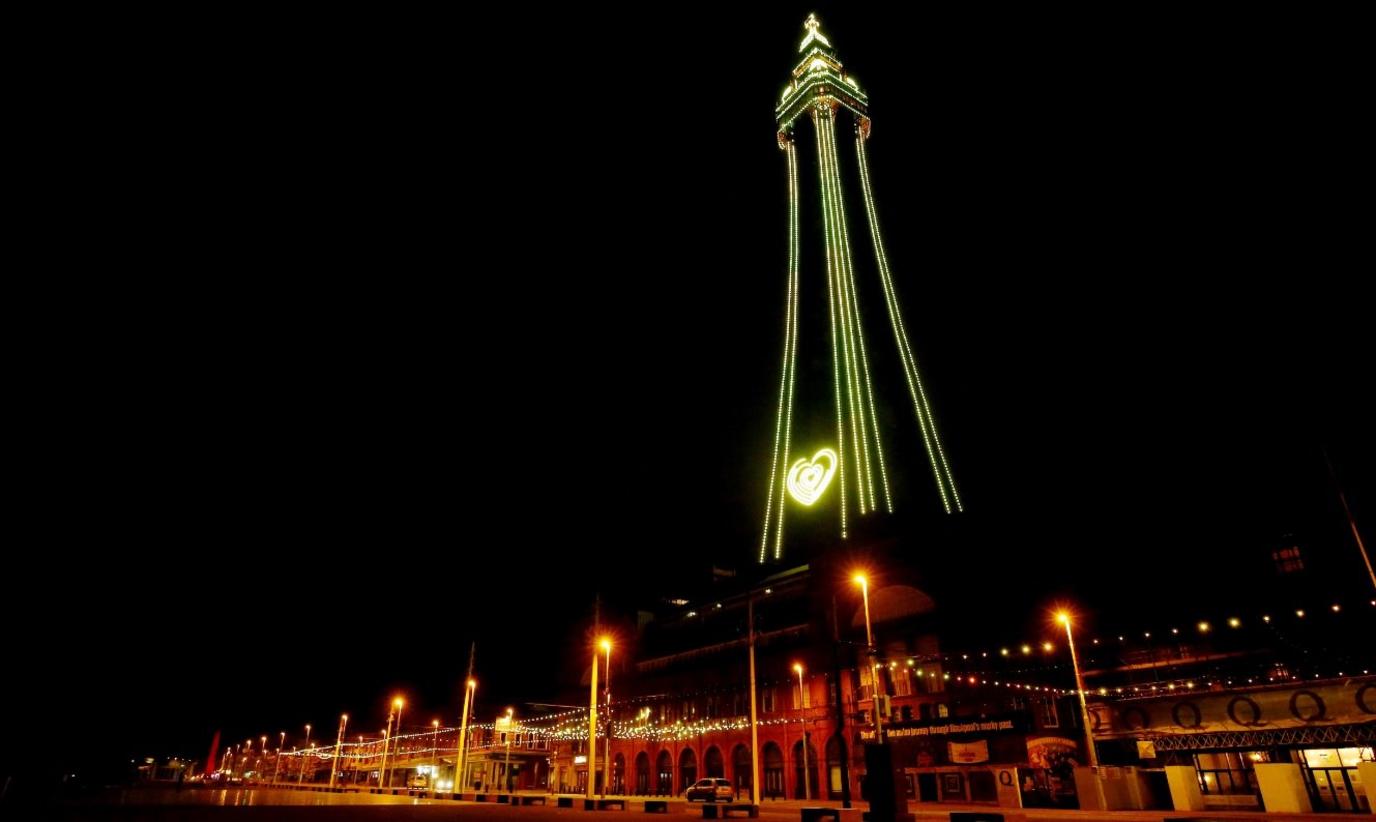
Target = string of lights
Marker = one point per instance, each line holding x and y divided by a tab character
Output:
936	455
784	419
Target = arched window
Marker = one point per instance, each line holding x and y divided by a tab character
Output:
642	773
713	763
664	784
773	771
687	769
740	769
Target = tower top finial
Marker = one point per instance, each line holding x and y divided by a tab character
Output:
813	32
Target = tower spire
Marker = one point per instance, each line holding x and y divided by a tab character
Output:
814	33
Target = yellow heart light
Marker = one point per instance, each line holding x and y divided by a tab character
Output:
808	478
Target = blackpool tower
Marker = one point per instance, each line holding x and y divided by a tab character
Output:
848	461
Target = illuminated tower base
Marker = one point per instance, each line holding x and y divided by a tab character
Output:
855	462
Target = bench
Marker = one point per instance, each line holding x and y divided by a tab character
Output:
531	799
976	816
603	804
721	810
564	802
656	806
816	814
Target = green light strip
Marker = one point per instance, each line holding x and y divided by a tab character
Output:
865	472
793	236
862	368
936	455
784	419
835	219
821	112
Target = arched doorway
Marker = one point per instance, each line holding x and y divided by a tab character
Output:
642	773
664	783
801	788
619	774
834	767
713	763
687	769
773	771
740	769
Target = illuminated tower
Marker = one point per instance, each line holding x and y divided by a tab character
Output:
821	89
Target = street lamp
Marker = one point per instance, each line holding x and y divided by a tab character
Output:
338	743
506	770
802	706
301	774
459	761
435	750
607	738
277	760
874	663
592	724
1064	619
397	705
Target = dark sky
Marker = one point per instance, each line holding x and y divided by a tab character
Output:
397	333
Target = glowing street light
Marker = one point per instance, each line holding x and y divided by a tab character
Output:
395	713
592	723
802	705
1064	618
301	773
874	663
469	689
277	760
435	749
510	731
338	743
606	644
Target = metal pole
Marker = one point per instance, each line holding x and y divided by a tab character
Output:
754	724
301	773
435	750
592	726
277	761
607	737
338	743
802	705
461	761
386	735
1084	708
843	750
874	666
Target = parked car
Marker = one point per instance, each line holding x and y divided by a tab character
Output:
710	790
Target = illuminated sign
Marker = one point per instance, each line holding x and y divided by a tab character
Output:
581	759
808	478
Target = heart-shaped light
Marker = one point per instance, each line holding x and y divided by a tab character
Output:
808	478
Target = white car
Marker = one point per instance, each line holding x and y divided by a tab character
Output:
710	790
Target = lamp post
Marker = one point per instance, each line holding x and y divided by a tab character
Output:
607	737
395	713
592	726
301	774
262	753
277	761
338	743
1064	619
874	662
459	761
802	705
506	769
435	751
754	718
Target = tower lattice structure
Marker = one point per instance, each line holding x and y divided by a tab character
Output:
821	89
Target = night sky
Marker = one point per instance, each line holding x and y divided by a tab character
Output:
400	333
